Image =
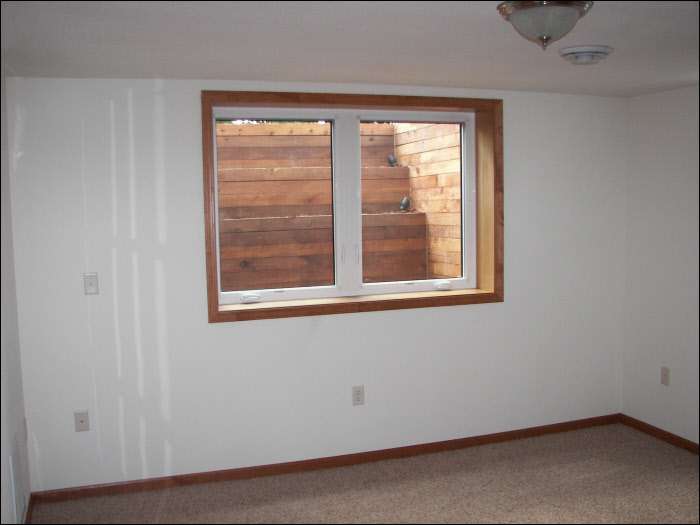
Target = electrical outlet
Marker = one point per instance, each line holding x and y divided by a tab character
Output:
82	423
665	376
358	395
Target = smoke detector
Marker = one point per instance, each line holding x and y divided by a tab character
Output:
583	55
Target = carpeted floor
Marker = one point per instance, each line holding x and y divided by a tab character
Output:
608	474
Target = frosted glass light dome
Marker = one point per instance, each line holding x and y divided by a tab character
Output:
543	22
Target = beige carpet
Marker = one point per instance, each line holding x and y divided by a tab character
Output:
608	474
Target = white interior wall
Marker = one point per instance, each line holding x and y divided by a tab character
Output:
662	262
15	460
107	177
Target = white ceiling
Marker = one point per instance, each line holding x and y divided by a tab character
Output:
443	44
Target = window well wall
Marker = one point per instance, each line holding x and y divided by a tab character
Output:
275	203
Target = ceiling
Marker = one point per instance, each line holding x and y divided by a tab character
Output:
441	44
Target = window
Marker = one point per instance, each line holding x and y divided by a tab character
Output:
319	204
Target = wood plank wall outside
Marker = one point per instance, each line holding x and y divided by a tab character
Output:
275	205
269	172
432	153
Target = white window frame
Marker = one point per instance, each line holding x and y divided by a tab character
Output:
347	203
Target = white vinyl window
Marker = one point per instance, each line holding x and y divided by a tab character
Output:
316	203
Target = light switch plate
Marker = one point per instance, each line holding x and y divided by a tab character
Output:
82	423
90	283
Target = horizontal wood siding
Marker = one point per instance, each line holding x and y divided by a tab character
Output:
273	170
284	170
276	252
393	247
432	153
275	198
284	252
293	192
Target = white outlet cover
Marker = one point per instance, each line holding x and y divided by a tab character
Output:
358	395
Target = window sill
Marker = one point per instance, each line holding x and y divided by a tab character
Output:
343	305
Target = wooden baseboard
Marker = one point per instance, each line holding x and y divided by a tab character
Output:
312	464
347	460
673	439
30	508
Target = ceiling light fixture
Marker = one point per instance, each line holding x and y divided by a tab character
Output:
543	22
583	55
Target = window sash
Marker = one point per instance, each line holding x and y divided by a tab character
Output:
347	203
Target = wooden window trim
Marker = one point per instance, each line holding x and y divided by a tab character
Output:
489	194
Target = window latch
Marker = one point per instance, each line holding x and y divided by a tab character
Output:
250	298
443	285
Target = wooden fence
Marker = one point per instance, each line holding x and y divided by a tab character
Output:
288	252
432	153
275	204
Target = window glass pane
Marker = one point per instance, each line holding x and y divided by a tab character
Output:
275	204
411	201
